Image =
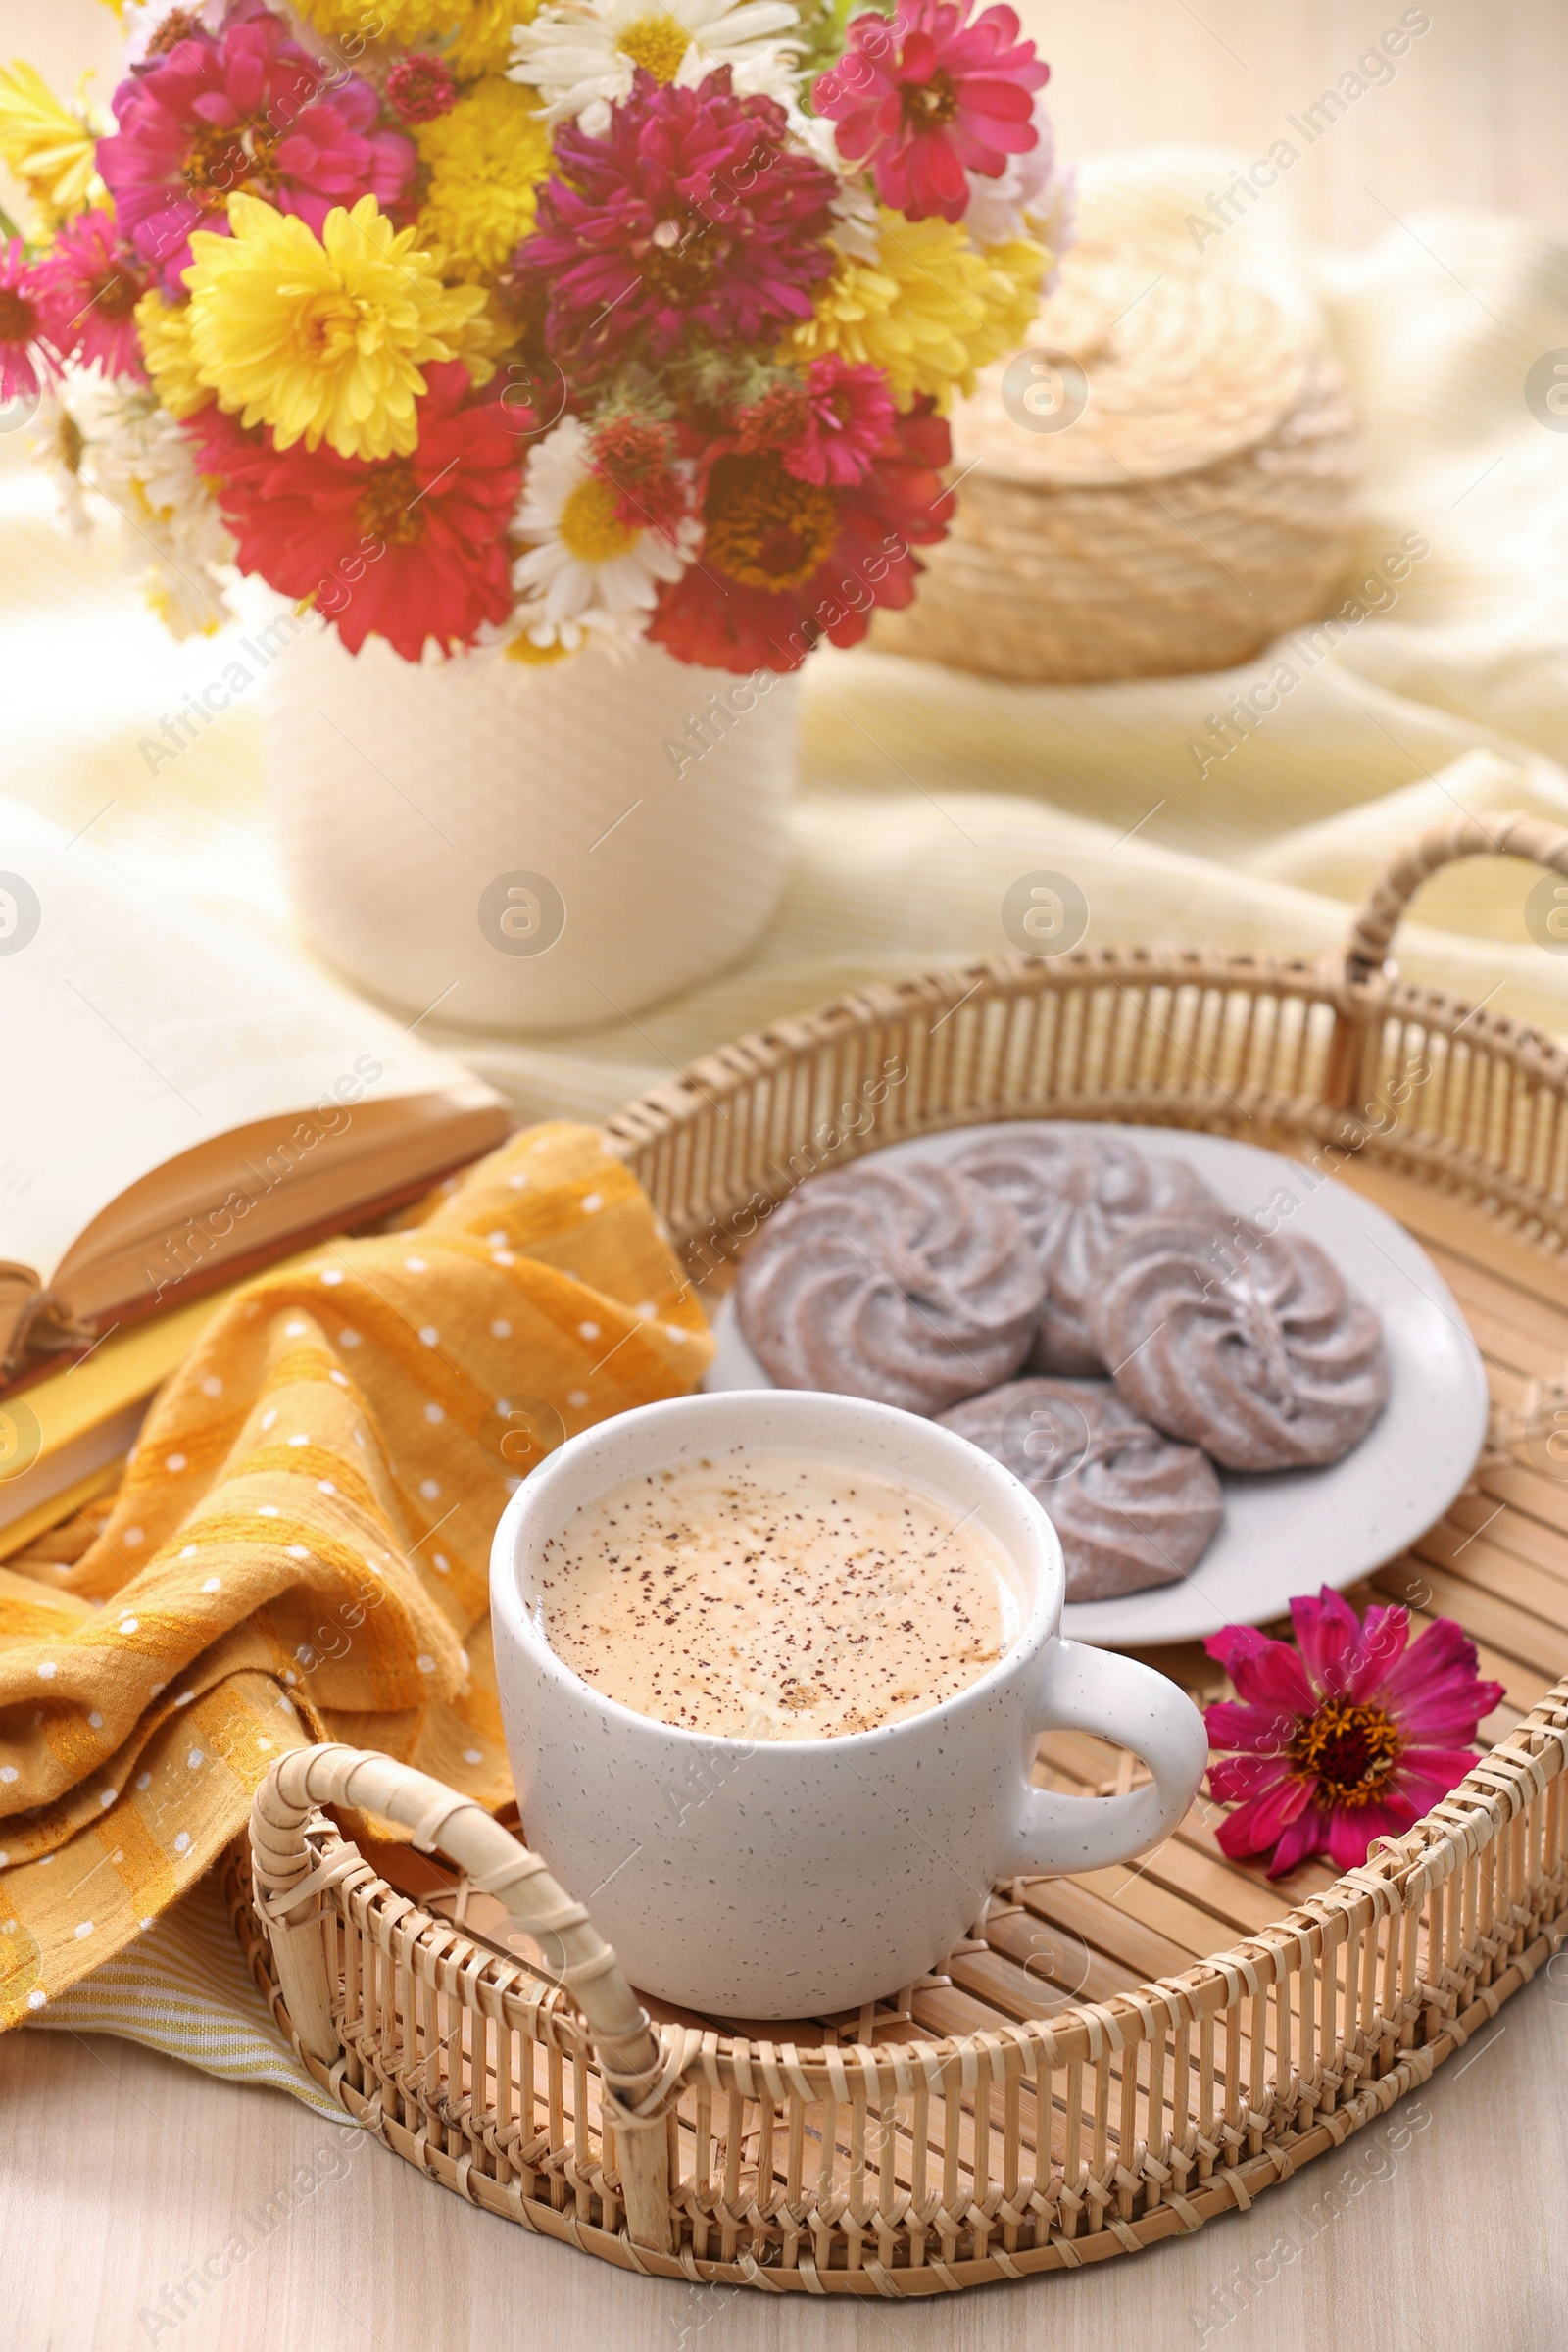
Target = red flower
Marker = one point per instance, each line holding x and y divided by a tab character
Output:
1347	1737
26	359
694	212
410	548
929	96
247	109
827	426
419	87
637	455
785	563
88	287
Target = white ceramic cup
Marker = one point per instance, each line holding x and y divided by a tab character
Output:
791	1878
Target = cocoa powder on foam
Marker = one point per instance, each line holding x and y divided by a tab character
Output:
759	1593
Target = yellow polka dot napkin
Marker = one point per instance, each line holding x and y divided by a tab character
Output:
300	1546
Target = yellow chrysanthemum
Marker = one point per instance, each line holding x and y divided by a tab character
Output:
482	42
486	157
323	339
931	310
1019	269
50	149
165	334
480	30
407	23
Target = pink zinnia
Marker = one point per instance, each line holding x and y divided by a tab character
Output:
88	287
928	97
847	420
827	425
1348	1737
26	359
694	213
241	109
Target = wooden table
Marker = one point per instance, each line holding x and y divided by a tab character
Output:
132	2187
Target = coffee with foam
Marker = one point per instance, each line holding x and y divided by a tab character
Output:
761	1594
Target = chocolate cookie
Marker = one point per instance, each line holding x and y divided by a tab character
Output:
1246	1343
907	1285
1132	1507
1076	1193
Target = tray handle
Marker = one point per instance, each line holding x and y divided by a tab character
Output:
288	1881
1366	950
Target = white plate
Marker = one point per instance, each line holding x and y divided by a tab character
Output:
1288	1531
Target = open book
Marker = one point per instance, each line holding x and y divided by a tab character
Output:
181	1102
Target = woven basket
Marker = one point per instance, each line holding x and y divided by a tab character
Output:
1103	2064
1203	502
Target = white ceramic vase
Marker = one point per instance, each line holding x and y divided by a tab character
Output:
531	847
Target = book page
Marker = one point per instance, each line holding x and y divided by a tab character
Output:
133	1028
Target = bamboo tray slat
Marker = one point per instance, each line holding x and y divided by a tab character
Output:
1108	2060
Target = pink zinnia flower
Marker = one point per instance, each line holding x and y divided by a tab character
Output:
827	425
848	417
930	97
693	211
26	359
1348	1737
241	109
88	287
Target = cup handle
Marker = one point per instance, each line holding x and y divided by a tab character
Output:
1086	1689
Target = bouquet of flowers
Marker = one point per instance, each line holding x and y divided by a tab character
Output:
491	323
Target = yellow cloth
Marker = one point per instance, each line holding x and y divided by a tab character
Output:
300	1548
185	1987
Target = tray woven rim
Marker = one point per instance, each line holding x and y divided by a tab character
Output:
1406	1871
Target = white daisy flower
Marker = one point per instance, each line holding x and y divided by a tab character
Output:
59	443
1030	199
1054	220
587	571
856	228
532	627
176	538
580	55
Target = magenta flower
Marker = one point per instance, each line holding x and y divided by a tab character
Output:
88	287
26	359
1350	1737
828	425
928	97
692	213
419	87
244	108
848	415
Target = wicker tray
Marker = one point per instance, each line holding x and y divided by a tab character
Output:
1108	2059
